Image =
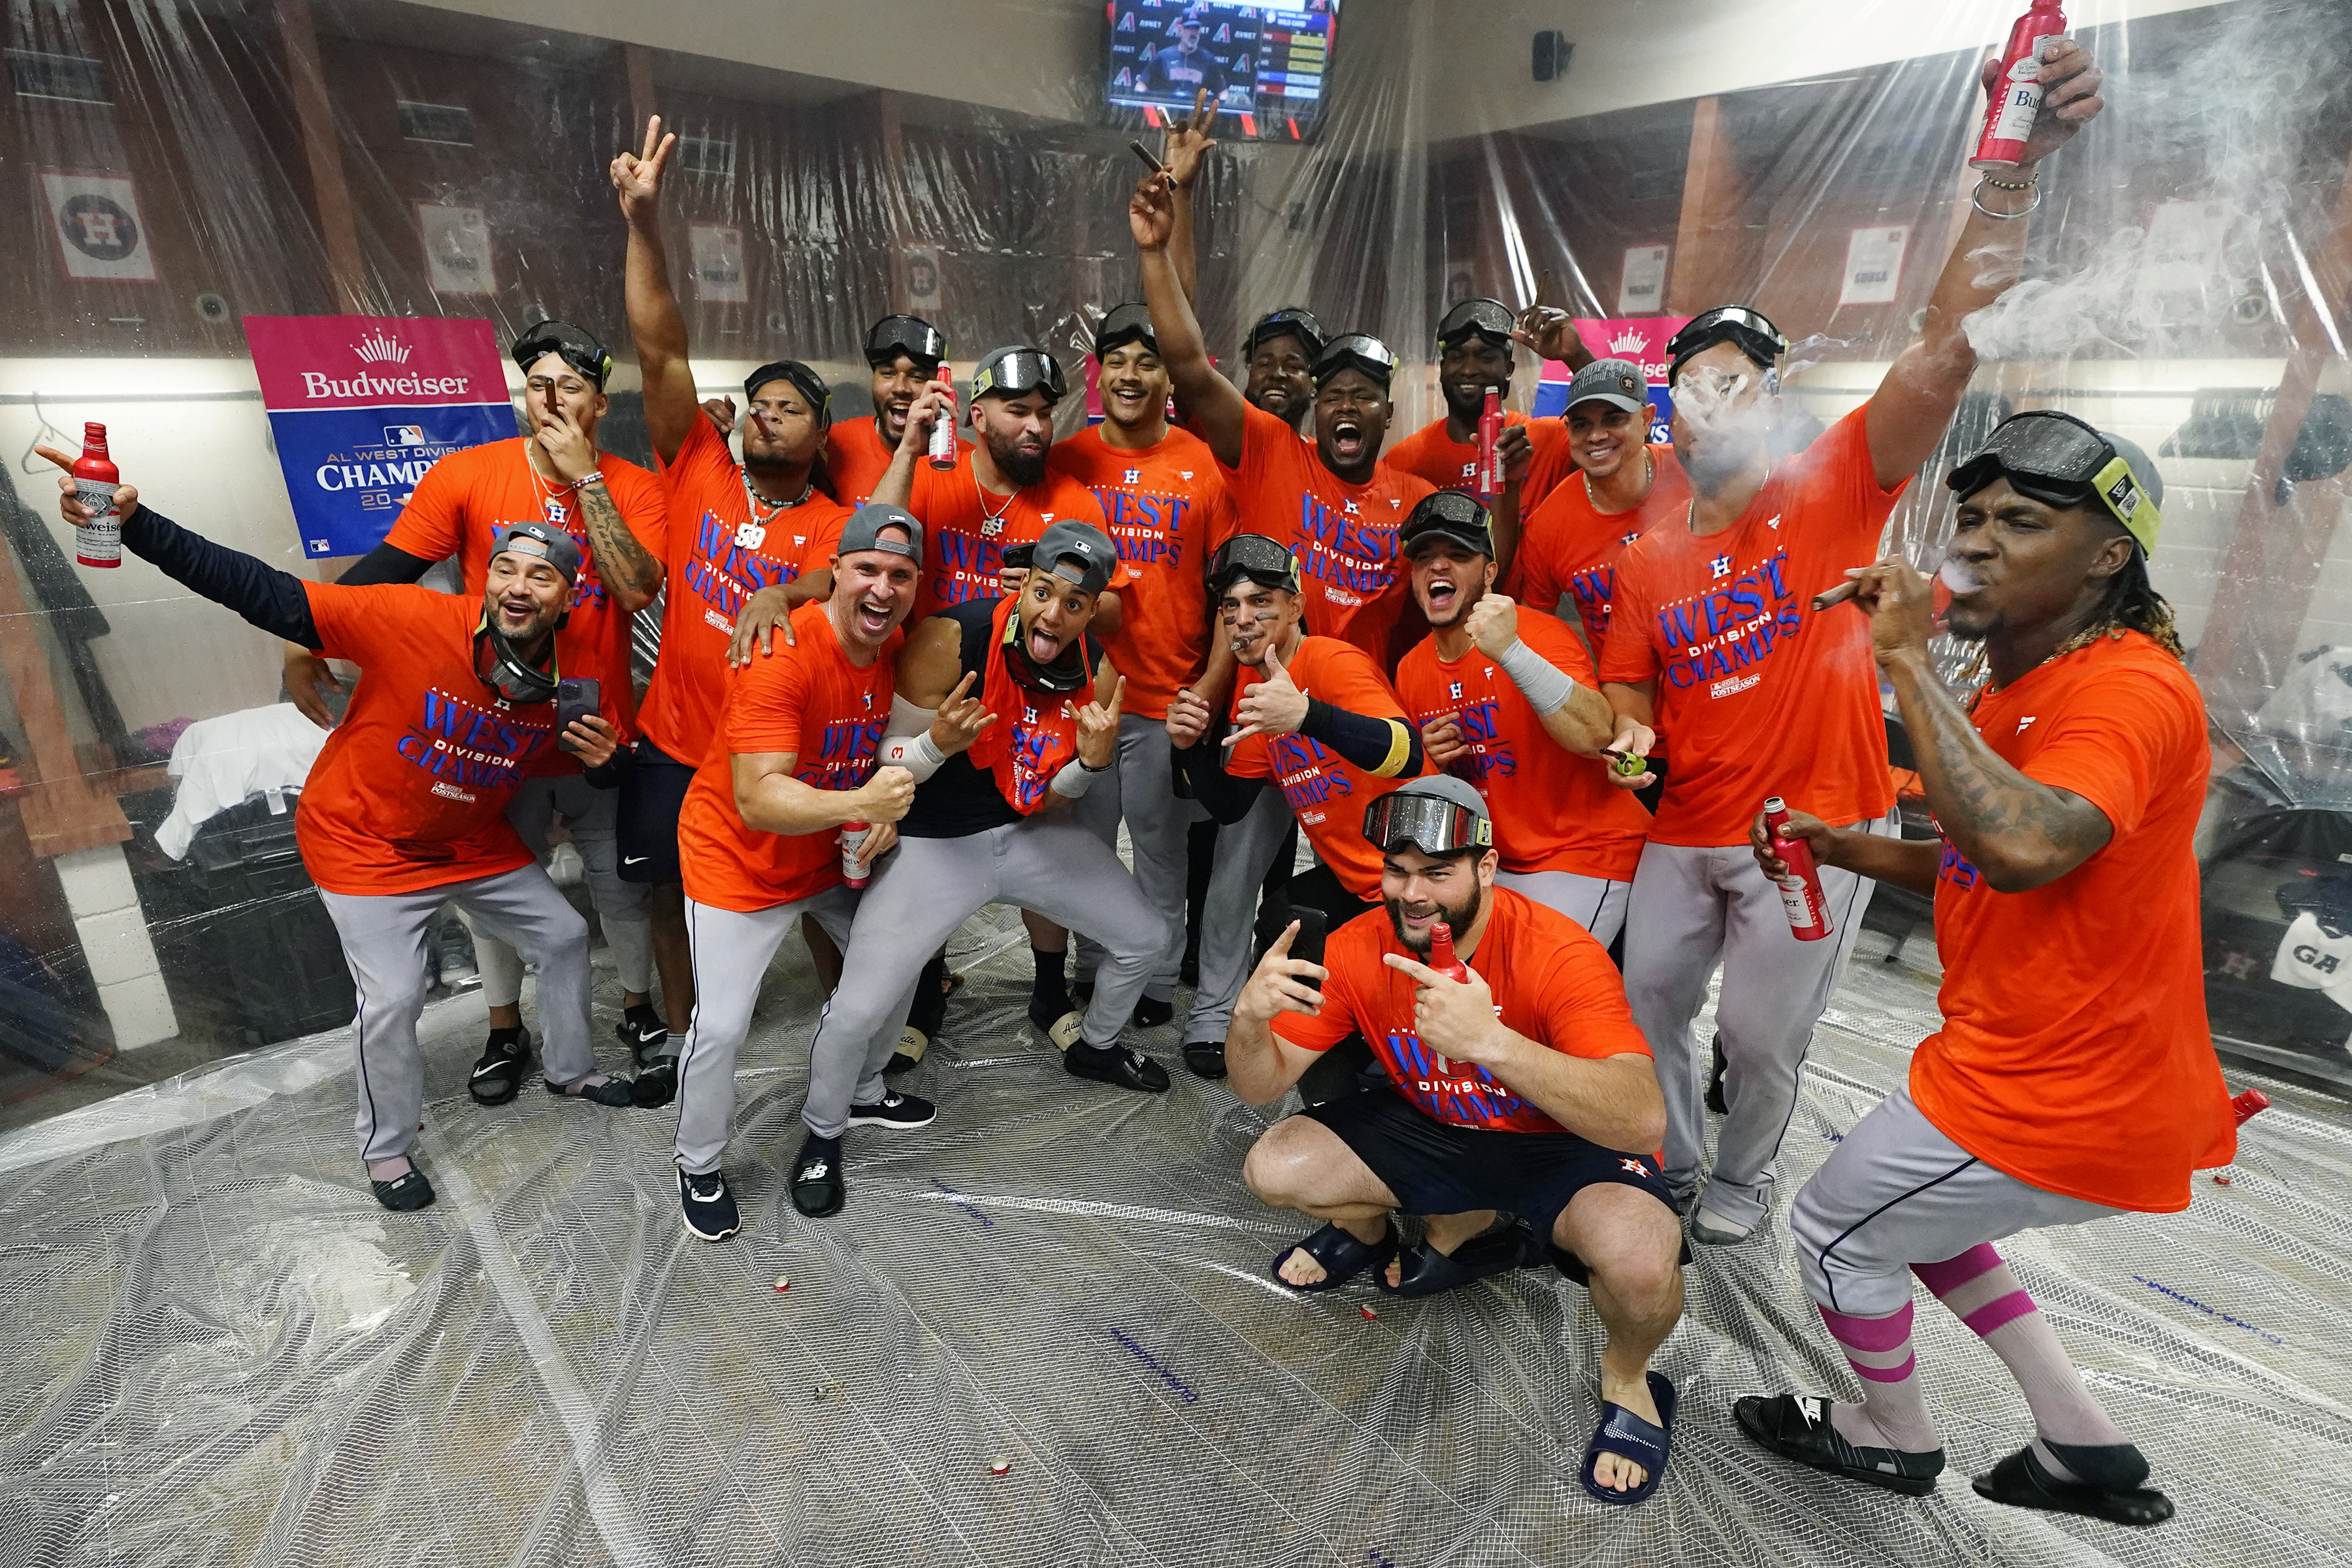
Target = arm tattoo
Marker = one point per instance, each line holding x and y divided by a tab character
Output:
1988	809
619	557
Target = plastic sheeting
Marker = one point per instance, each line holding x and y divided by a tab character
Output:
221	1352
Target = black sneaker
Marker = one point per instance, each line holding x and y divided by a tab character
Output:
644	1031
709	1206
656	1085
406	1193
816	1177
499	1073
895	1110
1116	1065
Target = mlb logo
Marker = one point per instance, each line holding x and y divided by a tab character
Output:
403	434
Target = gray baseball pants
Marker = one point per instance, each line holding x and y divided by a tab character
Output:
1593	902
1142	789
383	944
731	952
1690	909
924	890
623	909
1245	850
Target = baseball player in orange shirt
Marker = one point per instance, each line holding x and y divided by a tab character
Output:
1714	647
905	353
2064	1086
1473	358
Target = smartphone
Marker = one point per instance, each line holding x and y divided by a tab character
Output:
580	699
1313	927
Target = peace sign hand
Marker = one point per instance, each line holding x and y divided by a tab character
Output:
1188	141
637	175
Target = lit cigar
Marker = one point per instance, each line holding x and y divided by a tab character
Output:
1831	597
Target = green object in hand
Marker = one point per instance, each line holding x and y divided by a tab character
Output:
1630	766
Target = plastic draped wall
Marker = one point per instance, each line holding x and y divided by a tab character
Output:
2187	285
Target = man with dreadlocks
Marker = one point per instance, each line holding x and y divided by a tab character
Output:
2074	1075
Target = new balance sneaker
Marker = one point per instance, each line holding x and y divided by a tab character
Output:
817	1189
895	1110
710	1207
644	1031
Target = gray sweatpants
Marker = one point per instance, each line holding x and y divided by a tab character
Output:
1898	1191
1142	790
1593	902
730	958
925	888
1246	851
1691	907
623	909
383	944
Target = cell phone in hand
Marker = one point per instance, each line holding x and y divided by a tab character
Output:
1313	927
575	698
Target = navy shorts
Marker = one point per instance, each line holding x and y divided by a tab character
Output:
653	793
1435	1167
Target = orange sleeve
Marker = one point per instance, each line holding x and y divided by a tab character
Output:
1842	469
1628	656
1224	519
824	540
765	702
1261	439
1585	1008
431	526
2114	743
1349	679
365	624
1250	759
1534	578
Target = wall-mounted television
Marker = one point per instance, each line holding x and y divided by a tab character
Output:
1267	65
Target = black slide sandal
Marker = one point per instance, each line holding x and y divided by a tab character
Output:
1342	1255
1628	1437
2020	1481
1796	1426
1498	1249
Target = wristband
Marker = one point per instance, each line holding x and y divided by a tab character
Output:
593	476
1073	781
1091	768
1545	685
918	754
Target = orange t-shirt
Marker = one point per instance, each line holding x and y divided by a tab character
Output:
1569	550
466	495
1325	792
1553	810
1344	535
1552	983
809	700
718	558
411	789
856	458
1168	510
1450	465
1757	695
2075	1053
965	534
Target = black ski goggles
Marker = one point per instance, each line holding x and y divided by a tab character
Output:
1748	331
912	336
1488	318
1288	322
2059	460
1262	561
504	671
1431	823
1357	351
809	385
1450	515
576	348
1016	373
1126	324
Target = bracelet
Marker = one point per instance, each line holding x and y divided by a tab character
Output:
1976	199
1092	769
2026	183
593	476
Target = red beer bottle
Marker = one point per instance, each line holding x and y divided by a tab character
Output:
99	541
1800	890
853	839
943	436
1441	954
2252	1103
2016	96
1490	459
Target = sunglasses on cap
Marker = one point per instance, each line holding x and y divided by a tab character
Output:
1748	331
1488	318
1357	350
1126	324
1451	515
912	336
1015	372
1431	823
2059	460
1262	561
1288	322
809	385
574	347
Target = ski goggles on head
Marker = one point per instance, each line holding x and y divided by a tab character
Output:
1126	324
575	347
1265	561
1290	322
1449	515
2059	460
1357	351
1016	372
1748	331
1441	814
1488	318
809	385
916	338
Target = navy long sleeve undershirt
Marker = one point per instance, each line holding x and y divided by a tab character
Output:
275	601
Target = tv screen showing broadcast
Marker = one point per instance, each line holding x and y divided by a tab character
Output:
1266	65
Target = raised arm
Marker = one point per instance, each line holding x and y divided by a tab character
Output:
654	321
1188	144
1213	402
1912	406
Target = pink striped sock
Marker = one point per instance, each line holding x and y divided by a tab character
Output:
1893	1409
1983	1292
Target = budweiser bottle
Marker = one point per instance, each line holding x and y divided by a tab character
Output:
1800	890
2252	1103
1442	957
2016	96
943	437
99	541
853	839
1490	436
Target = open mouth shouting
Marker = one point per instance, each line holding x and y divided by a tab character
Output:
1348	442
874	618
894	414
1446	597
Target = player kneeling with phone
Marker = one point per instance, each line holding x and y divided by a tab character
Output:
405	808
1514	1093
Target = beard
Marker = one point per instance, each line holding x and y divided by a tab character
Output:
1468	411
1457	916
1024	468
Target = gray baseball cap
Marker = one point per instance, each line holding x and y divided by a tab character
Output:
542	541
862	529
1077	553
1618	383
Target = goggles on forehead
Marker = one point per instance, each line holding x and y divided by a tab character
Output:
1014	372
916	338
1748	331
1357	350
2059	460
1262	561
573	346
811	384
1447	515
1126	324
1288	323
1430	824
1487	319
